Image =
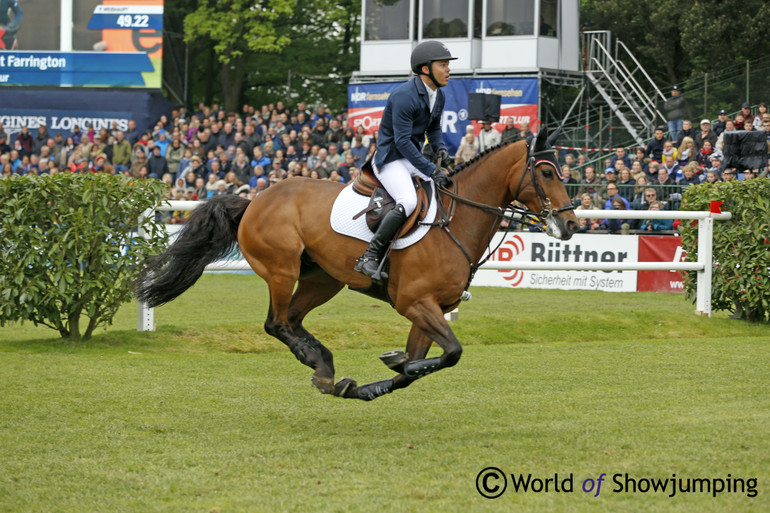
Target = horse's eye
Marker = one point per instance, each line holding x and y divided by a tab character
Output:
546	171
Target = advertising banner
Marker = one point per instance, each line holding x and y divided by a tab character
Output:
62	120
539	247
661	249
115	43
366	103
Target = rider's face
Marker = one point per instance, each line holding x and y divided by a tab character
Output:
441	72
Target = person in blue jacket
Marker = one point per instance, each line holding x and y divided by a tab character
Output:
412	113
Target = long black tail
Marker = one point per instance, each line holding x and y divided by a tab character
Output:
209	234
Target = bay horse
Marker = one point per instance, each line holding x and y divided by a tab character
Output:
285	235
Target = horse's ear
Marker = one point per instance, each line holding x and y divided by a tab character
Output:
553	137
542	139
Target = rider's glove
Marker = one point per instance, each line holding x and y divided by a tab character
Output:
440	177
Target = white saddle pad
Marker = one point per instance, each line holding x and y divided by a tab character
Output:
350	203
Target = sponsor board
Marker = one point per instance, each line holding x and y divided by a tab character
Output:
519	96
61	120
539	247
661	249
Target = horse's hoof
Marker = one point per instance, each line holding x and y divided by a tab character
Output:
344	386
325	385
395	360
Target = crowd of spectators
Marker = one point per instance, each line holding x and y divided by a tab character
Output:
213	152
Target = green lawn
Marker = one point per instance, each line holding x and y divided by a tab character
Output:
209	414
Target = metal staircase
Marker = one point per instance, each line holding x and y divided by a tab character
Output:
630	93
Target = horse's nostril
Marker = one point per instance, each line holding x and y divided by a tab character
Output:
572	226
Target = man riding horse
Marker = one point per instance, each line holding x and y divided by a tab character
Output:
413	112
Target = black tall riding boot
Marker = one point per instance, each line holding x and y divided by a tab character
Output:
369	262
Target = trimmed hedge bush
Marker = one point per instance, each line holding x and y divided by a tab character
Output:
741	276
69	247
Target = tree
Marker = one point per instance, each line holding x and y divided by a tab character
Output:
238	28
70	248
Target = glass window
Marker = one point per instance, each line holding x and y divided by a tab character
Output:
510	18
549	12
386	19
444	18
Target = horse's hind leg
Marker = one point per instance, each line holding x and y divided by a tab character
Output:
312	292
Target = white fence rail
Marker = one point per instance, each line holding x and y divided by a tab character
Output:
703	266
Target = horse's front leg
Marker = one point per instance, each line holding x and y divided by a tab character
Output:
428	325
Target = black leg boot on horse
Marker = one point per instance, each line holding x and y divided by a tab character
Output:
370	262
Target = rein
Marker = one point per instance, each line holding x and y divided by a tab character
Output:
511	212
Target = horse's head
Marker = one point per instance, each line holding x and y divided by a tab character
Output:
541	188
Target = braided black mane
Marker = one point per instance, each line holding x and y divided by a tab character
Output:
493	149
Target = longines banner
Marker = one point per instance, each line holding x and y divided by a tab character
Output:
366	103
539	247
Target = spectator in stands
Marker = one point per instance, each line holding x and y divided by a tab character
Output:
655	146
121	152
641	185
488	137
525	132
686	152
610	176
156	164
729	127
748	117
139	162
590	183
705	154
720	126
510	132
26	141
728	175
656	225
4	147
676	110
358	150
671	167
616	202
620	154
40	139
689	175
585	224
626	184
334	157
687	131
132	133
612	193
174	155
712	176
705	134
77	163
469	146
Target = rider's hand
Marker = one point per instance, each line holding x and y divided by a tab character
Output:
443	155
440	177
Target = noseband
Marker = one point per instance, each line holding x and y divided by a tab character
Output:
546	209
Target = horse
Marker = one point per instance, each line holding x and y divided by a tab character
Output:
286	237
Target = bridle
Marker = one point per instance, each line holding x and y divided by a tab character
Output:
511	212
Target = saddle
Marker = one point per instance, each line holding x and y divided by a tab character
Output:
380	203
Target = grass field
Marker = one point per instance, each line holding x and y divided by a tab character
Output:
210	414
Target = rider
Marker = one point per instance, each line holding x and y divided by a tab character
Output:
10	26
413	112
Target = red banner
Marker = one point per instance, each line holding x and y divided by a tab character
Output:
660	249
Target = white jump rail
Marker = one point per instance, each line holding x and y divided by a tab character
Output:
703	266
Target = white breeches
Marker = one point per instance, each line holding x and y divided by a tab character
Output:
396	177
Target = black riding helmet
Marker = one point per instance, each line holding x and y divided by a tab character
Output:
426	53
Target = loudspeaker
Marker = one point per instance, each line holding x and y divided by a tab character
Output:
484	107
